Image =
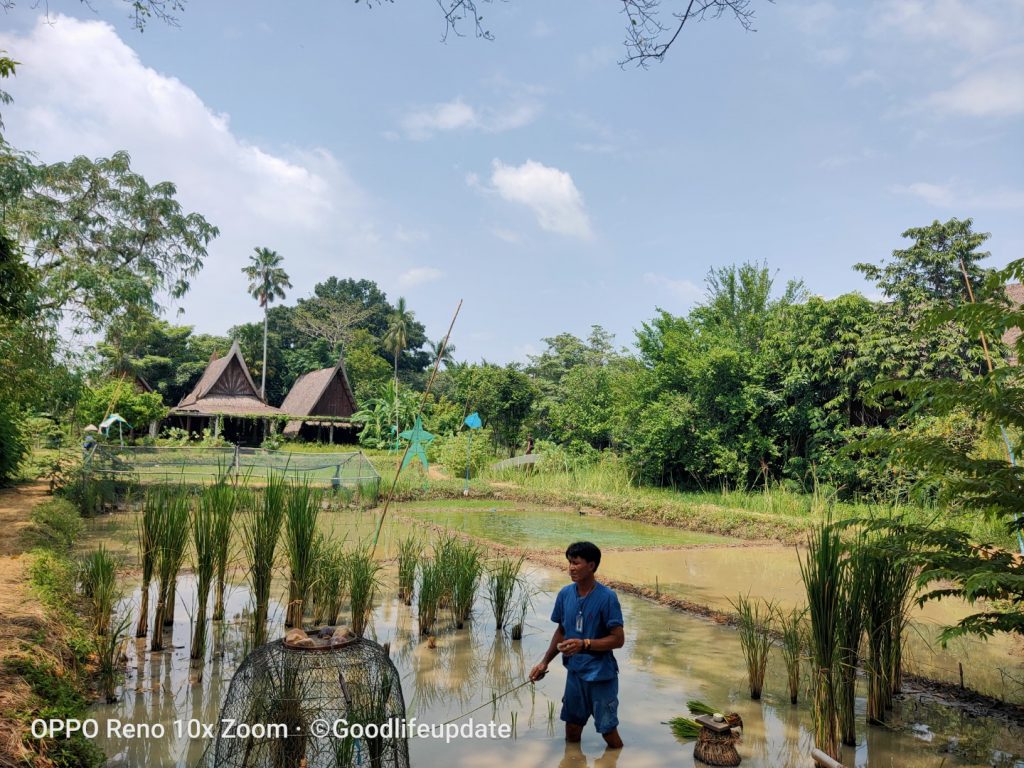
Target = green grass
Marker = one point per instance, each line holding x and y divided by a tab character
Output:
546	529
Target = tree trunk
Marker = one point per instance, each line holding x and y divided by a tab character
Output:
263	373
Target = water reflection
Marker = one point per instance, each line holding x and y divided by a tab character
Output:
668	659
573	757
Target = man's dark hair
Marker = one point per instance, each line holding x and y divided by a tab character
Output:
586	551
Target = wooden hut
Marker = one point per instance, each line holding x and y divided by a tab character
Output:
326	393
226	400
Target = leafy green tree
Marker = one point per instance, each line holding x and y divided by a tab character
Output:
971	483
504	397
438	349
118	395
171	358
932	269
739	301
367	370
103	241
396	339
267	281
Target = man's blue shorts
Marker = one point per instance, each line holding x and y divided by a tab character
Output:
583	700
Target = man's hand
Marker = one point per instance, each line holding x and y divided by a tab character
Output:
538	672
570	647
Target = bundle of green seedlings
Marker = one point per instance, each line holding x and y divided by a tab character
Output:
410	549
302	510
853	596
149	536
755	620
261	530
505	590
173	511
230	500
793	632
210	537
890	586
330	582
109	650
823	571
363	582
430	592
684	728
445	555
467	568
367	701
97	577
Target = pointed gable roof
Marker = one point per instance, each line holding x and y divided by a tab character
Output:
326	392
225	387
311	394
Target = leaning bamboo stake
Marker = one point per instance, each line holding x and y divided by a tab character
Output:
423	400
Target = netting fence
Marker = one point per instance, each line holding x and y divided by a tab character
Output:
142	465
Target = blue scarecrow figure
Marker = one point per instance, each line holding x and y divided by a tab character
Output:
418	437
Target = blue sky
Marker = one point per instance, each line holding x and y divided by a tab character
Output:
531	175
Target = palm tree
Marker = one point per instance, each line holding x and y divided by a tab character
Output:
267	281
397	339
435	353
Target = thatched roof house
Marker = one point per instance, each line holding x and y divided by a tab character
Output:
225	389
226	396
327	393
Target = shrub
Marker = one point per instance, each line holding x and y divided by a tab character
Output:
116	396
174	436
450	452
55	523
13	445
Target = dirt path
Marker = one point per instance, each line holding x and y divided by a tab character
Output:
21	616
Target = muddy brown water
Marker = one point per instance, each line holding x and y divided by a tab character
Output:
669	658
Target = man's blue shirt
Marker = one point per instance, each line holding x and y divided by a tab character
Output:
600	611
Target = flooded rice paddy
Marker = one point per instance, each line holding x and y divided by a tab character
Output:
669	657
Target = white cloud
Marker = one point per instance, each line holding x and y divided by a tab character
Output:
995	93
411	236
948	195
457	115
835	162
419	276
946	22
81	90
837	54
508	235
549	192
864	77
597	58
685	291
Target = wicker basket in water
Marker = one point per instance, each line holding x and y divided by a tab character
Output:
716	744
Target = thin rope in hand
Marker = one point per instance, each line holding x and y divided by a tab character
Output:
488	703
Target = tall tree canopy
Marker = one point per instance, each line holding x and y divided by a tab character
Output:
103	241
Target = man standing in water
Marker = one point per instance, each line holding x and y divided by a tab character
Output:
589	628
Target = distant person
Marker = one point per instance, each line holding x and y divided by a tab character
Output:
590	627
529	444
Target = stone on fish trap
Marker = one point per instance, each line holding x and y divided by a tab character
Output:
291	688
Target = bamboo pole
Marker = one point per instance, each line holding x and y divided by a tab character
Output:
423	400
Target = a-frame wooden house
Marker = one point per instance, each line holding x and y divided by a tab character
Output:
226	400
326	393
